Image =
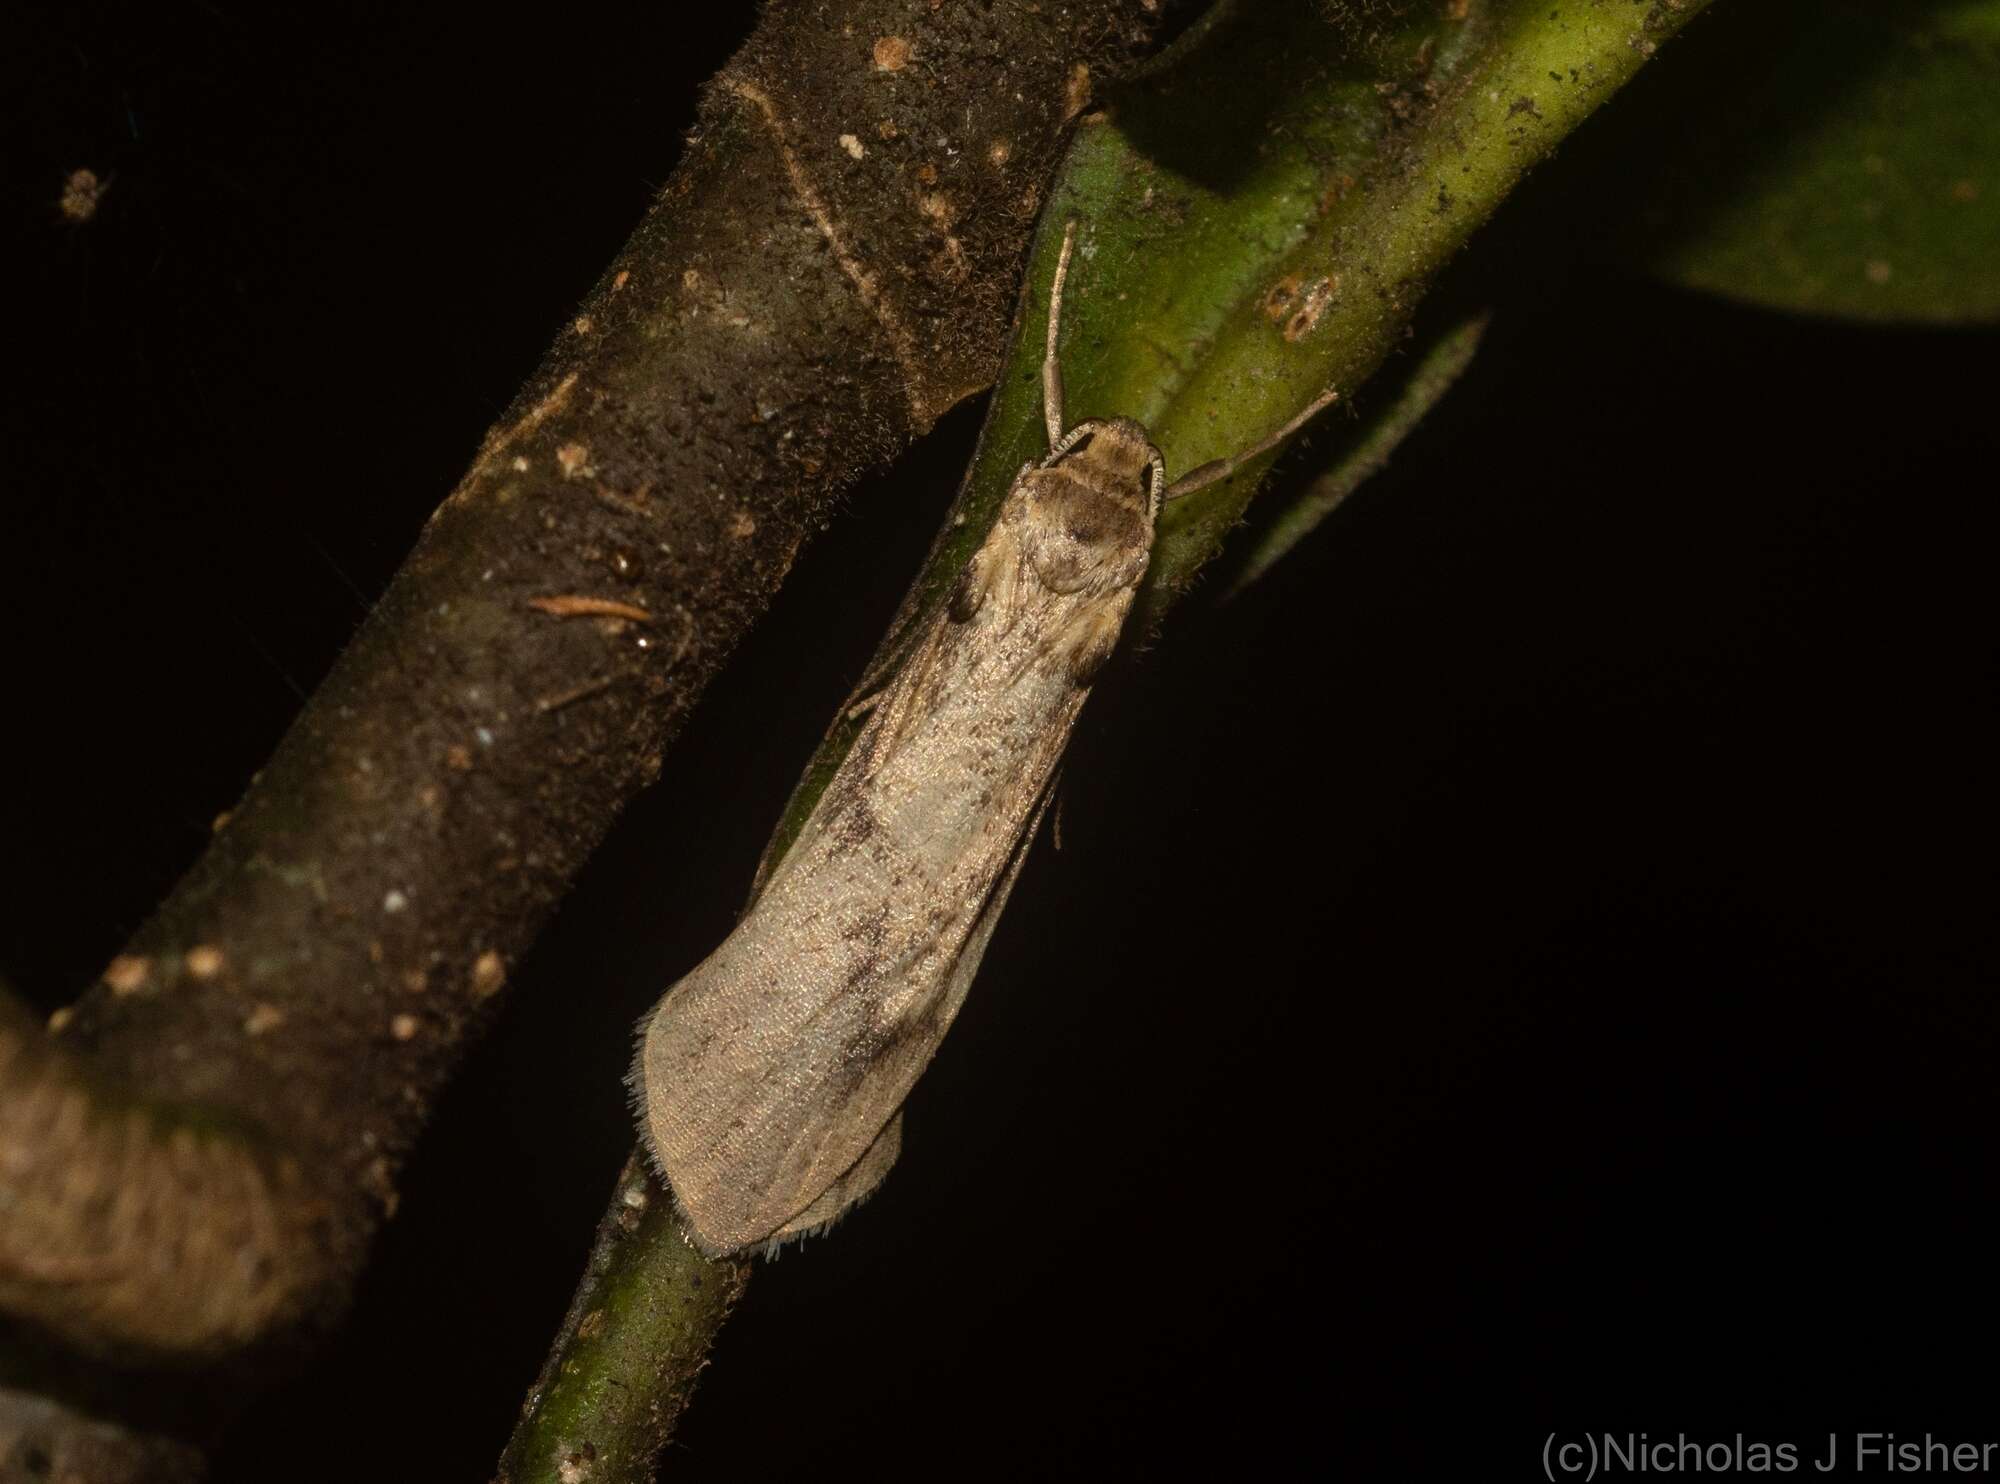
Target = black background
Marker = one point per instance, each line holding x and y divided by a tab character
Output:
1526	966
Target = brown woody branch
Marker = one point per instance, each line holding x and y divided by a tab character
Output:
830	267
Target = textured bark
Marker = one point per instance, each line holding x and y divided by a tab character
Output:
42	1442
830	267
127	1228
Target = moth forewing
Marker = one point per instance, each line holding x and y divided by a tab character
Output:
769	1072
771	1078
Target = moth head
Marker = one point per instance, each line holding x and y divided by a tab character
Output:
1116	457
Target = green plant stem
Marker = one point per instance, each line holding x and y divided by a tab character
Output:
635	1338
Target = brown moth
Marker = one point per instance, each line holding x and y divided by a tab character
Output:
771	1079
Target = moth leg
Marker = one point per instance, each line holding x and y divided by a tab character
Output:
1216	470
988	571
1052	382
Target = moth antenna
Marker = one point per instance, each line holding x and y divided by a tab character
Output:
1052	382
1217	470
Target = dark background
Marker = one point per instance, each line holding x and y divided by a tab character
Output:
1527	966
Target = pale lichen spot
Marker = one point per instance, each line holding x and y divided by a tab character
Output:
81	195
1281	296
416	981
395	901
583	324
262	1019
128	973
574	1467
623	277
635	1196
489	972
999	152
852	145
574	461
743	525
1312	304
60	1018
404	1027
892	53
203	961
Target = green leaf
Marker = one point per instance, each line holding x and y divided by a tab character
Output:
1846	160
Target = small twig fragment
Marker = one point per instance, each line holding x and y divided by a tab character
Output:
572	605
577	693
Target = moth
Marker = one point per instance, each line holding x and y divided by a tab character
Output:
770	1080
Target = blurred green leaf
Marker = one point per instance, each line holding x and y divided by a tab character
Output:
1836	157
1383	427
